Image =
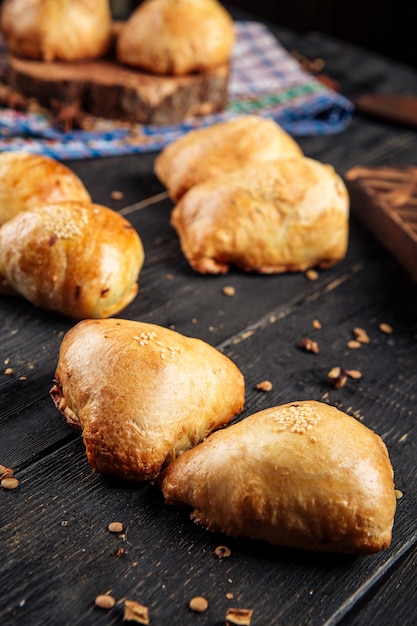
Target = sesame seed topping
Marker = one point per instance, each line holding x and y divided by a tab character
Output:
296	418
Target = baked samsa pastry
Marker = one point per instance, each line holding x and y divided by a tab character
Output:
79	259
208	152
272	217
142	394
27	180
62	30
303	475
176	37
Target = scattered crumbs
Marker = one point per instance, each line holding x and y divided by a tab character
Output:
6	472
229	290
386	328
117	195
325	395
337	377
353	344
105	601
7	361
115	527
8	371
135	612
317	325
272	319
169	276
309	345
211	328
265	385
312	274
194	320
229	595
198	604
22	377
222	551
398	494
238	617
403	437
361	335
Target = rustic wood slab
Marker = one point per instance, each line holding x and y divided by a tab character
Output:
107	89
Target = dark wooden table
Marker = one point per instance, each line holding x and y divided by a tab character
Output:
56	553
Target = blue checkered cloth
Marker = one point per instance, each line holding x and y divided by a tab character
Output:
265	80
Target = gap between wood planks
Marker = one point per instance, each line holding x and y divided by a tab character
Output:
144	203
370	583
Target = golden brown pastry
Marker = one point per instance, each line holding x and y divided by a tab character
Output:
79	259
27	180
277	216
208	152
303	475
142	394
176	36
64	30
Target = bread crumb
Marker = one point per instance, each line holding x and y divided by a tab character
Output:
386	328
238	617
198	604
229	290
105	601
312	274
265	385
135	612
117	195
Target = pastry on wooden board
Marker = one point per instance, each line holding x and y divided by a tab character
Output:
27	180
78	259
176	37
63	30
141	394
209	152
303	475
272	217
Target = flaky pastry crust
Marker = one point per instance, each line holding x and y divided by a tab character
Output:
303	475
63	30
78	259
176	37
141	394
27	180
272	217
209	152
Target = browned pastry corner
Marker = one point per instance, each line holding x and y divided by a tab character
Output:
272	217
27	180
303	475
176	36
65	30
78	259
142	394
209	152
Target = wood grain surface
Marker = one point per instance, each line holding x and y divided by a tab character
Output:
56	553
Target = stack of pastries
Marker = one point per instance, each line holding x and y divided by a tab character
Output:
58	249
246	196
